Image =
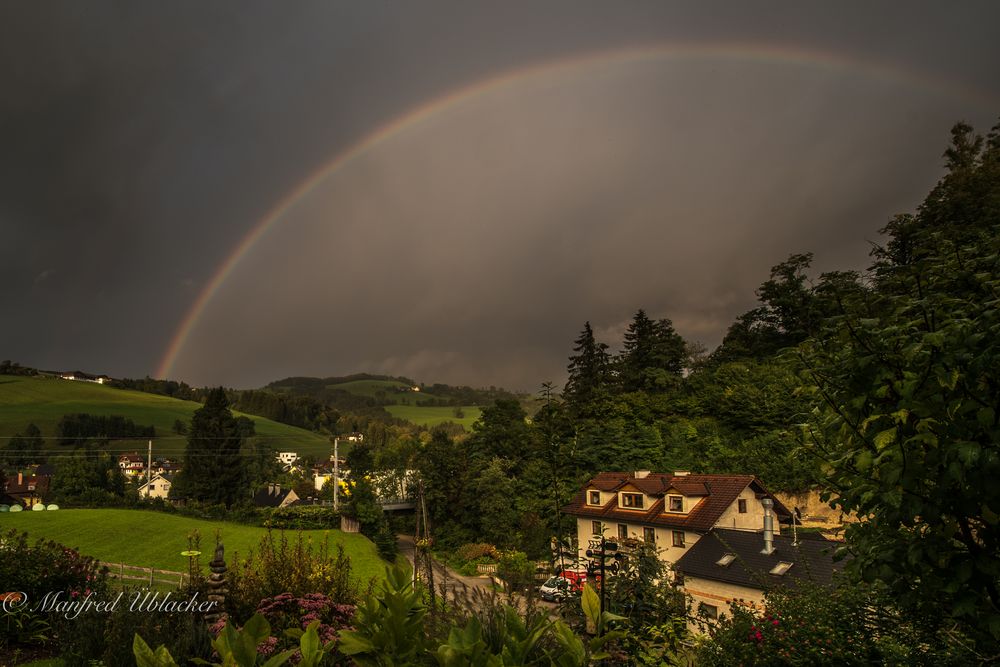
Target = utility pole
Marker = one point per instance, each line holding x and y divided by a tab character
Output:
603	578
149	466
336	474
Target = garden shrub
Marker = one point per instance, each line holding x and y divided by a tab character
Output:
46	566
287	612
817	625
301	517
107	638
296	567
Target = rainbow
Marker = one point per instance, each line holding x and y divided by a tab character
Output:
746	52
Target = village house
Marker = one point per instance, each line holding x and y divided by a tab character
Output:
132	464
728	566
80	376
157	487
27	490
287	458
274	496
673	511
163	467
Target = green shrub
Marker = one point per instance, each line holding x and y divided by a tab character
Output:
279	566
301	517
107	637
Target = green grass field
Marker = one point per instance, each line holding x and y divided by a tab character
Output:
432	416
405	403
156	539
44	400
391	388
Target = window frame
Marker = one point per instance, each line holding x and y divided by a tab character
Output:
704	610
622	531
631	494
590	497
647	532
741	505
597	528
670	504
677	538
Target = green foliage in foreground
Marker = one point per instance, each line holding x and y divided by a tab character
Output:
815	625
908	384
238	648
155	539
391	629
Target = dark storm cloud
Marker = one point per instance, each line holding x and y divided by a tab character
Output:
140	142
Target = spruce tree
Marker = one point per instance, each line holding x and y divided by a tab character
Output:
214	472
589	373
653	354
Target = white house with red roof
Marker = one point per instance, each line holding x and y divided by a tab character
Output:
673	510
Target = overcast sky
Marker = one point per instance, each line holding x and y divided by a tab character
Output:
537	165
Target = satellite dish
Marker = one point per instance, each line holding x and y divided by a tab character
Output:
38	508
53	506
16	508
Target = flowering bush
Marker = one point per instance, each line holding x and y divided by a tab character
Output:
45	566
470	552
286	612
297	568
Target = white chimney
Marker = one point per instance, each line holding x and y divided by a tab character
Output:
681	473
641	474
768	526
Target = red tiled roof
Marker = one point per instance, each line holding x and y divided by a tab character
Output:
717	493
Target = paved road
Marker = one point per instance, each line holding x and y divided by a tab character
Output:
455	583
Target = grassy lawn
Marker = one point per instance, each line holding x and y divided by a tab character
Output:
432	416
156	539
43	401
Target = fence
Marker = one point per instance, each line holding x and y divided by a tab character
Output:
486	568
122	572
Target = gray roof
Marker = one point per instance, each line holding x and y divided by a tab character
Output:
812	559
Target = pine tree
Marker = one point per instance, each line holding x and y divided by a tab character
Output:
589	373
214	472
653	354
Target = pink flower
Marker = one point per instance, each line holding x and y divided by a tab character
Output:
775	621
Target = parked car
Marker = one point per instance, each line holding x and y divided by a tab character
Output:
557	589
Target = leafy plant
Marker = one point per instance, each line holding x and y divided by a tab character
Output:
389	627
242	648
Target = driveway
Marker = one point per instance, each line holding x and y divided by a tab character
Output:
459	586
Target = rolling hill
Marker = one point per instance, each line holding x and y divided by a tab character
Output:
424	405
44	400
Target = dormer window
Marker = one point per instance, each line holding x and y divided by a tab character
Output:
632	500
675	503
594	498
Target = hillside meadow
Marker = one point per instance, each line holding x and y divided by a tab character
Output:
432	416
44	400
156	539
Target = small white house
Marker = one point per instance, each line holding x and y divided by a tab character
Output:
288	458
157	487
